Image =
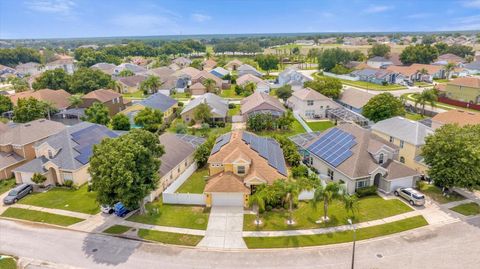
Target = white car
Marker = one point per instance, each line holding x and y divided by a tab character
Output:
106	209
414	197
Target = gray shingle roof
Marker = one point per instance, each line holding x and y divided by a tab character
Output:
177	148
217	104
159	101
412	132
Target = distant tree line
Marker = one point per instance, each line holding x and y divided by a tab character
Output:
12	57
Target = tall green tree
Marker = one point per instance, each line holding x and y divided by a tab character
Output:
421	54
149	119
267	62
328	58
85	80
203	151
453	155
31	109
97	113
381	50
5	104
428	96
53	79
202	113
125	169
210	84
19	84
291	190
75	100
150	85
383	106
326	194
290	151
284	92
120	122
257	202
330	87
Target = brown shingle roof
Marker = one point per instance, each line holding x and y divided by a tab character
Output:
459	117
226	182
414	68
132	81
466	82
451	58
30	132
260	100
176	150
189	71
58	98
102	95
355	98
309	94
198	86
398	170
248	78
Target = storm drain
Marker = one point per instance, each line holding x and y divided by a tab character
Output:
94	250
379	255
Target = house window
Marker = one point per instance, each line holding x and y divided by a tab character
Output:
380	158
67	176
50	154
309	102
330	174
391	139
361	184
401	143
241	170
402	159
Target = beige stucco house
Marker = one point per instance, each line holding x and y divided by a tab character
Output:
310	104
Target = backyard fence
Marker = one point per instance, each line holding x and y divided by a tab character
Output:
345	77
169	196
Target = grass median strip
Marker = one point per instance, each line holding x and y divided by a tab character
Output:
117	229
335	238
468	209
170	238
38	216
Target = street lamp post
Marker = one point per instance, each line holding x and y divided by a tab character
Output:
354	237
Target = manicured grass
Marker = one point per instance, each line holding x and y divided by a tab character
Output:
442	105
234	111
335	238
320	125
414	116
117	229
422	84
436	194
230	93
67	199
468	209
134	95
369	86
295	129
370	208
195	183
170	238
441	80
6	185
194	217
38	216
181	95
8	263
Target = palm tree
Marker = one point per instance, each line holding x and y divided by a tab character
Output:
326	194
423	72
115	86
151	84
75	100
291	190
427	96
351	203
209	84
257	202
449	68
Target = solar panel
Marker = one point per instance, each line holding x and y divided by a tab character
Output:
269	149
88	137
220	142
334	147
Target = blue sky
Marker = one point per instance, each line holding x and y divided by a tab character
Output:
99	18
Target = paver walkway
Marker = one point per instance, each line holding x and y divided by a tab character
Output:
224	230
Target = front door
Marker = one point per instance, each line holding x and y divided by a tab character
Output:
376	180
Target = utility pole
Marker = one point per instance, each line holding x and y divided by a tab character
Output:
354	237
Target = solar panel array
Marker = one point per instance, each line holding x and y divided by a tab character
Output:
220	142
88	137
334	147
269	149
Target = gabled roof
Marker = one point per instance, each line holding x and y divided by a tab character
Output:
309	94
209	64
372	72
247	78
466	82
459	117
162	72
407	130
226	182
414	68
131	81
159	101
257	99
106	68
205	74
217	104
220	71
247	67
26	133
132	67
234	62
198	86
177	148
188	71
182	61
450	58
473	65
58	98
102	95
355	98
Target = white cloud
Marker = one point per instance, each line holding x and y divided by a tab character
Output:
200	17
471	3
378	9
51	6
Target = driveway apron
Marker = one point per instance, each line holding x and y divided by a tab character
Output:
224	230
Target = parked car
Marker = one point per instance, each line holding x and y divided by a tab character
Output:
414	197
107	209
120	210
17	193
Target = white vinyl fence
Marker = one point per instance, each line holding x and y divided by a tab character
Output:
346	77
170	197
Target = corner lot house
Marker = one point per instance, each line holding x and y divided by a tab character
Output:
409	136
17	143
310	104
218	107
354	99
58	98
459	117
158	101
112	100
179	155
66	155
377	76
238	162
261	103
357	158
248	69
465	89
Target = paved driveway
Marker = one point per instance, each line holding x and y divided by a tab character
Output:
224	230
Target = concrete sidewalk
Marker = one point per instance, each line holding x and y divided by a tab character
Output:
53	211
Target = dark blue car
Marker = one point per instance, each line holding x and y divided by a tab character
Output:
120	210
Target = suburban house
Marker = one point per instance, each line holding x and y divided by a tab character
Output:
136	69
130	84
106	68
218	107
248	69
291	76
354	99
261	85
305	42
233	65
182	62
310	104
178	156
29	68
112	100
181	79
198	89
356	157
68	65
409	136
59	99
203	75
263	103
6	72
65	156
377	76
473	68
449	58
159	101
208	65
239	161
163	73
417	72
219	72
17	143
466	90
459	117
378	62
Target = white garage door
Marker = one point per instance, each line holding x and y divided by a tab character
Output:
401	183
227	199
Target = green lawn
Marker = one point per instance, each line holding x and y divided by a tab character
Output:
441	80
67	199
181	95
295	129
234	111
6	184
442	105
422	84
370	208
468	209
170	238
335	238
436	194
368	85
320	125
230	93
198	132
414	116
117	229
193	217
7	263
37	216
195	183
134	95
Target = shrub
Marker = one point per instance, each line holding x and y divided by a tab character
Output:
180	104
420	184
38	178
366	191
231	106
68	183
181	128
299	171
